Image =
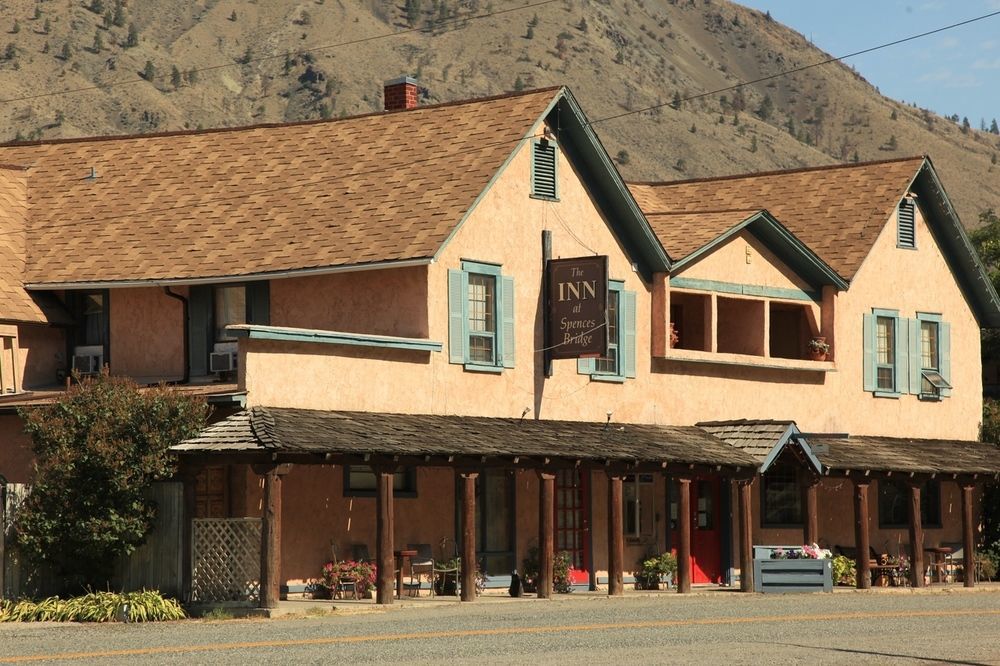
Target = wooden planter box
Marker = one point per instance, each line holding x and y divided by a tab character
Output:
806	575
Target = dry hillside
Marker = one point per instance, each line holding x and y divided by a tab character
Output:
616	55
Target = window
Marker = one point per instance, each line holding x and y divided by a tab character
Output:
893	503
930	357
543	170
230	308
905	224
619	362
637	505
481	317
885	343
780	497
359	481
93	319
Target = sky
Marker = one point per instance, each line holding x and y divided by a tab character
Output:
952	72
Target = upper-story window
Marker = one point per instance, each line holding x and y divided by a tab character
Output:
481	317
211	308
544	158
907	355
230	308
619	362
906	232
93	318
91	342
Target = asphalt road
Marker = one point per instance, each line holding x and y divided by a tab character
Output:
721	627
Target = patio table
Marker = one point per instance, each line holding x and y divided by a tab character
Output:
402	558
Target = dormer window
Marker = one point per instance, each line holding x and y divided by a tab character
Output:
543	170
906	235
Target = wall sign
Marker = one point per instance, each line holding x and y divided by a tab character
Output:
577	307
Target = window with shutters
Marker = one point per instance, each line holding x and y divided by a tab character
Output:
619	362
885	353
930	357
907	355
481	317
543	170
885	347
906	224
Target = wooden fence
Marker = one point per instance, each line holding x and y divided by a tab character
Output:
157	564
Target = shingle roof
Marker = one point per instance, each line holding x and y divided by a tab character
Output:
268	429
684	232
837	211
210	204
906	455
19	305
755	437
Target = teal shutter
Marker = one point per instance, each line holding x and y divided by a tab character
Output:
507	320
944	355
585	366
628	334
259	303
915	360
200	336
868	346
902	379
456	316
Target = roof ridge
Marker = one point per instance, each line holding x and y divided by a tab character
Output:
296	123
708	211
778	172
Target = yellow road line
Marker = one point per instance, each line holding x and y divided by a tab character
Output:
342	640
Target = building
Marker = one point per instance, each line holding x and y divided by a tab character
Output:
364	299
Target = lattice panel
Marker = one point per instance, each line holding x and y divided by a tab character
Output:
225	559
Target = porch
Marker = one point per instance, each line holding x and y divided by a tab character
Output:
302	458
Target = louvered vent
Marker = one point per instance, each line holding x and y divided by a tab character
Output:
906	235
543	169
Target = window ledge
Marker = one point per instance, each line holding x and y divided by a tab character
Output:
542	197
748	360
492	369
286	334
611	379
886	394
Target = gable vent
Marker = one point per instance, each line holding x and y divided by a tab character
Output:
905	232
543	169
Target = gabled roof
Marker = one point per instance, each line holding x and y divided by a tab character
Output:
375	190
836	211
698	234
765	440
272	430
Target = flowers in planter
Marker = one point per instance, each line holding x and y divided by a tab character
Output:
813	552
362	574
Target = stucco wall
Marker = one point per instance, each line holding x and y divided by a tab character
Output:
744	259
42	354
147	333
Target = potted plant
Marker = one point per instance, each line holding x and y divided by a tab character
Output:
818	348
653	571
562	580
675	337
529	570
446	576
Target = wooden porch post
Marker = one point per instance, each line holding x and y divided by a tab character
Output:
916	536
270	537
469	560
684	535
811	524
864	577
187	476
746	535
616	540
384	531
546	532
968	538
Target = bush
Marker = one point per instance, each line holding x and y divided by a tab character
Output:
844	571
142	606
653	569
97	450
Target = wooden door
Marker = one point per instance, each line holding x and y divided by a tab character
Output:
706	530
211	492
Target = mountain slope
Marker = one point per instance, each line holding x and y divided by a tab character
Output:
616	56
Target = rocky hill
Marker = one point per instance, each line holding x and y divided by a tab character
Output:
73	68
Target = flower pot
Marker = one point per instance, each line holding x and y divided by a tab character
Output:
817	355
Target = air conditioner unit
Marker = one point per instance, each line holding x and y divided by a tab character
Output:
222	361
88	360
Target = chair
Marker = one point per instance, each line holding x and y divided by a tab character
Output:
445	571
342	584
421	564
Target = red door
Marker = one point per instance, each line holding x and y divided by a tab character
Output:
706	532
572	526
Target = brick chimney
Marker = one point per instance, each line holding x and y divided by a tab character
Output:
400	93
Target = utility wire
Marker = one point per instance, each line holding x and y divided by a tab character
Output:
795	70
456	24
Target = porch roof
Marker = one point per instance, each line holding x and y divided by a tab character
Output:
282	432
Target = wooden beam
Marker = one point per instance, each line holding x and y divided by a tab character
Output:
384	528
187	476
916	536
546	532
270	541
616	539
746	535
864	576
684	535
968	536
811	524
469	559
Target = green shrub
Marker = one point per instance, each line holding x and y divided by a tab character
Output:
142	606
844	571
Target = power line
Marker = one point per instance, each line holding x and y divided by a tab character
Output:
796	69
456	24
